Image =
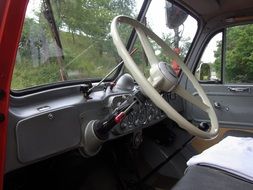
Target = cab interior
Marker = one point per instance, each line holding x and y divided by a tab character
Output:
121	94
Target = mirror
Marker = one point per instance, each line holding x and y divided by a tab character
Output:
175	16
205	72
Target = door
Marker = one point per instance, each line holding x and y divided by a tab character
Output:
225	71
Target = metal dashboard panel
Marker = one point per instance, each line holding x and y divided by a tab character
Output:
48	133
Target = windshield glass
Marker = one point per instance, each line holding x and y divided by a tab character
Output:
172	24
68	40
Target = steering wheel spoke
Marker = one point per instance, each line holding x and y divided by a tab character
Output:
149	51
190	98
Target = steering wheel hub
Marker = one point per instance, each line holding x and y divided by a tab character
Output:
162	77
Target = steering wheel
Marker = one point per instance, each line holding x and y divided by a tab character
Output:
163	78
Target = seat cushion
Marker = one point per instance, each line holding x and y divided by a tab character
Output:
202	177
228	155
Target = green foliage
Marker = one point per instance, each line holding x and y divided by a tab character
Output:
26	75
218	58
92	18
89	62
205	72
239	55
88	51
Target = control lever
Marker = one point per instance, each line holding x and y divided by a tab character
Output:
96	132
102	128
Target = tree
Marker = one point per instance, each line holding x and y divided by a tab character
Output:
238	55
76	15
92	19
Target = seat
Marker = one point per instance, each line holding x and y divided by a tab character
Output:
201	176
207	178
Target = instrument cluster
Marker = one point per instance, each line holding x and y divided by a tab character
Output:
142	115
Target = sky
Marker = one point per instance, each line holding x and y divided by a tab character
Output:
208	55
157	22
32	7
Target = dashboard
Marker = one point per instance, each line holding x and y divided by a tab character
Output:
51	122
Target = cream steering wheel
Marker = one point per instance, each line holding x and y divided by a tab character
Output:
163	78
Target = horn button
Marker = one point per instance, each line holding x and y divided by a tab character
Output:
163	77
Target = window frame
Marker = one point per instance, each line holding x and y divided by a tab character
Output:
223	30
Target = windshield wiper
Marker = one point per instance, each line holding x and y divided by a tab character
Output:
48	14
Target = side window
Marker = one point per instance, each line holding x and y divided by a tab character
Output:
238	58
239	54
67	40
209	67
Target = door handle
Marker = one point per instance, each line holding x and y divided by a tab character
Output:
238	89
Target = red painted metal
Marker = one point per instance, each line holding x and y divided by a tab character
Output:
12	13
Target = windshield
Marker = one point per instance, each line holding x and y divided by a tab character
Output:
172	24
68	40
